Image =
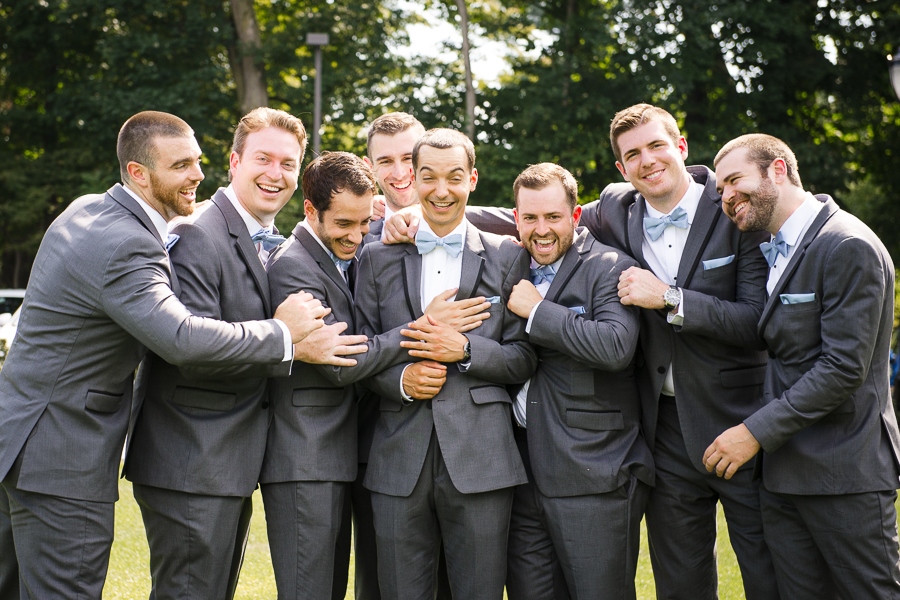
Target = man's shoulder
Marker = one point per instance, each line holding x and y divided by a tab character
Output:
600	256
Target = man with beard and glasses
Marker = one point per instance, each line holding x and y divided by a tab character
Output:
699	285
575	526
102	292
827	430
197	447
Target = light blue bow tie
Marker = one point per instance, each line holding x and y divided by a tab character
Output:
772	249
655	227
427	241
270	241
171	239
343	265
542	274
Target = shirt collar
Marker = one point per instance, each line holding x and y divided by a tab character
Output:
793	227
157	219
250	221
535	264
688	202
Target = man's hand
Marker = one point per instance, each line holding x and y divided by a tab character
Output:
641	288
302	314
523	298
423	380
326	346
401	228
377	207
462	315
730	450
435	341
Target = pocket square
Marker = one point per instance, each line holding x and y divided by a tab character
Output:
493	299
797	298
578	310
714	263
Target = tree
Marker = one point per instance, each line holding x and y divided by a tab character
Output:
244	58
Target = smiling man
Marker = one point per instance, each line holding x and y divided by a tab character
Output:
828	432
443	462
197	448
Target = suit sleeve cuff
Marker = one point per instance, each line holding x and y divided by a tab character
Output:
288	343
407	399
531	316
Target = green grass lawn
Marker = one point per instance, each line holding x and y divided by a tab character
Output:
129	570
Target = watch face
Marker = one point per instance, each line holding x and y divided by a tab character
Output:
672	298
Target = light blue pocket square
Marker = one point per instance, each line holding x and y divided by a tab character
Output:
493	299
714	263
797	298
578	310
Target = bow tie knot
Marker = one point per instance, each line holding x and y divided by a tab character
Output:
772	249
427	241
270	241
343	265
655	227
543	273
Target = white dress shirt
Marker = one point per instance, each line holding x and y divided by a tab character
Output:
663	256
522	396
388	213
792	231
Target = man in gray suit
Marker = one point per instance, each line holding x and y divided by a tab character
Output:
443	461
699	285
102	292
828	430
579	416
197	447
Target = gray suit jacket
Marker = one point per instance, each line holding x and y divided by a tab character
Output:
717	355
100	294
203	431
471	414
828	426
583	407
313	435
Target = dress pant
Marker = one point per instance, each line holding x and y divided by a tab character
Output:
303	519
580	547
681	522
834	547
196	541
473	527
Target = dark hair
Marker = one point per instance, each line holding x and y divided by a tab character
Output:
333	173
392	124
762	149
634	116
445	139
539	176
137	138
263	117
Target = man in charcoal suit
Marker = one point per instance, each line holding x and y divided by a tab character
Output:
699	287
102	292
443	461
197	446
827	431
579	416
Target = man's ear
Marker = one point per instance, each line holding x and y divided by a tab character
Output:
310	211
139	174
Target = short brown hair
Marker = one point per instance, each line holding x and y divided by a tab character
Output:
635	116
392	124
262	117
137	138
762	149
333	173
539	176
444	139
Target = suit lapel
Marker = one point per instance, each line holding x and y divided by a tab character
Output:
636	230
324	261
828	209
244	246
412	279
570	263
705	218
472	263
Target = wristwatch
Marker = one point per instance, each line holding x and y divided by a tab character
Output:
672	298
467	352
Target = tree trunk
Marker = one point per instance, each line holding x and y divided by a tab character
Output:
248	73
470	88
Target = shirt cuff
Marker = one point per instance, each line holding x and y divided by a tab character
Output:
531	316
288	343
677	319
407	399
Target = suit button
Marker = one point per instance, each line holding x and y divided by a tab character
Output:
661	370
771	354
265	405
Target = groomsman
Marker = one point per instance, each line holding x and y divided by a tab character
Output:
827	428
579	416
443	462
